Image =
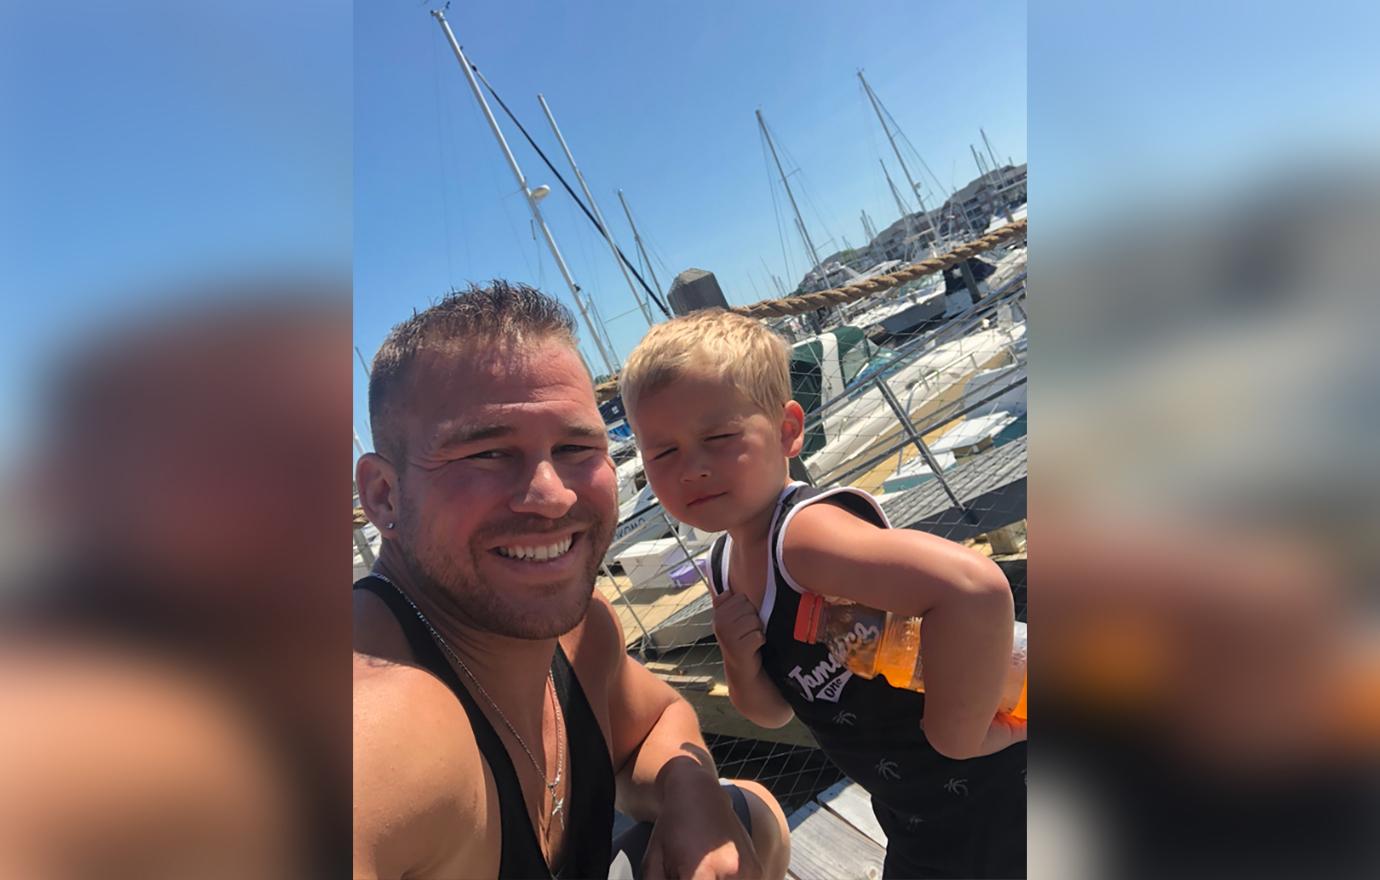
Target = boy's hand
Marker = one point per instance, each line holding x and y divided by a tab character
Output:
738	628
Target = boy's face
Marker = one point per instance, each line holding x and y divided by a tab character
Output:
713	457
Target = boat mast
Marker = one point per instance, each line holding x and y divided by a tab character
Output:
900	203
986	177
1001	175
914	187
598	215
637	240
604	347
800	223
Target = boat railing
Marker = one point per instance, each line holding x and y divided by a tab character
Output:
959	326
898	426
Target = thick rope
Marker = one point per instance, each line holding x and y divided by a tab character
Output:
809	302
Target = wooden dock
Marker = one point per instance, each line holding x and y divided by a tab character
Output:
697	673
836	837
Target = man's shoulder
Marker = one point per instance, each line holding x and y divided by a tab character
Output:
595	645
418	771
394	696
410	727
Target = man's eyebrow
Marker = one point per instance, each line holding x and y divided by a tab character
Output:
464	434
585	431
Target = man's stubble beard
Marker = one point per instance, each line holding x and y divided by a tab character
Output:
463	594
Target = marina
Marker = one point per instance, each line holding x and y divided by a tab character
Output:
908	356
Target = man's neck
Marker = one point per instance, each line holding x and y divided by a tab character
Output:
512	672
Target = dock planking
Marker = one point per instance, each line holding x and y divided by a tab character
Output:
697	675
991	485
826	844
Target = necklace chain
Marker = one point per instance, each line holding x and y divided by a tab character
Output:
557	804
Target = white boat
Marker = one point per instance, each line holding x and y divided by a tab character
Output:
1011	397
990	423
917	472
974	434
666	563
854	426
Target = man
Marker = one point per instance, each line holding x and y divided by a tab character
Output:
496	710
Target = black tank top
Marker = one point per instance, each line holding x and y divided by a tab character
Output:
866	726
589	806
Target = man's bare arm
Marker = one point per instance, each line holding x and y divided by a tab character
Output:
653	732
419	780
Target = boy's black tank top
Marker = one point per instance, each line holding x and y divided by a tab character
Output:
870	729
589	799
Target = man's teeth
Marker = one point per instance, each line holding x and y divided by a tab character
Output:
538	554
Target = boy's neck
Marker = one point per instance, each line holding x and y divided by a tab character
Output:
756	529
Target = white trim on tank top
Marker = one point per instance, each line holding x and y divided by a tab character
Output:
779	549
769	593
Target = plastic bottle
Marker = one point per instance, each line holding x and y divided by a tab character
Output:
871	642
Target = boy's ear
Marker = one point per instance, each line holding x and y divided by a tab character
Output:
792	429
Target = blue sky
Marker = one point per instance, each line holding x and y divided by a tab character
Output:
156	144
657	99
1175	102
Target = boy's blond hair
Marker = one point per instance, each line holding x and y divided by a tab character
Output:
742	352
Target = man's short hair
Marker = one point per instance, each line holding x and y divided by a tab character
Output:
493	318
744	354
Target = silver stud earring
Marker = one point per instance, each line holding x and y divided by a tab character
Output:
390	526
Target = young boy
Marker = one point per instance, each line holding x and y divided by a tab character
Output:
708	396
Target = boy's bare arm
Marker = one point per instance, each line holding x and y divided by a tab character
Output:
739	632
963	597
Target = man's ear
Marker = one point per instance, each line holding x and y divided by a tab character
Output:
792	429
378	491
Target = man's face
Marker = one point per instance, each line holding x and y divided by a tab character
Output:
508	495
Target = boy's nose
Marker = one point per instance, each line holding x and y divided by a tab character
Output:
695	469
545	494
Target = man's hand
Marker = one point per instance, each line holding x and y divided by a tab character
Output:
738	629
697	836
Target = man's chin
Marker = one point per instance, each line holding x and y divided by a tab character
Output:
544	617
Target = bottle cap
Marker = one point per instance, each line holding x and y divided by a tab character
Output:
807	618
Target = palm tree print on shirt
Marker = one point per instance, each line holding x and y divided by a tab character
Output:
888	769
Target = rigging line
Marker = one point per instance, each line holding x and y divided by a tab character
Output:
914	152
776	210
656	255
441	159
552	168
517	239
878	191
799	171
